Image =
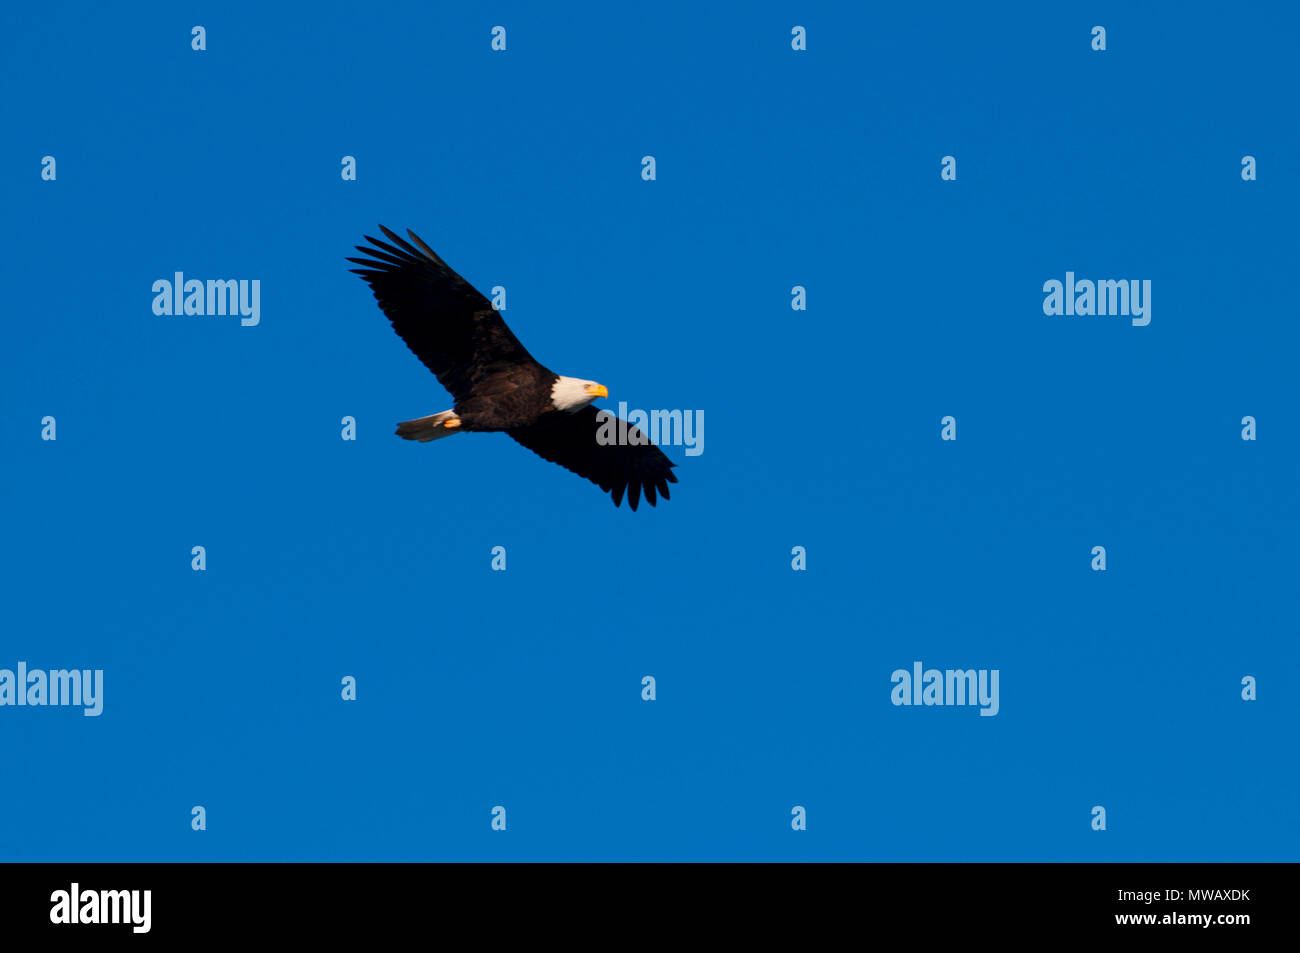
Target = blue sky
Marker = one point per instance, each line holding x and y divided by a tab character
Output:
371	558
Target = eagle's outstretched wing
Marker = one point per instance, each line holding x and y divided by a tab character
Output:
570	440
445	322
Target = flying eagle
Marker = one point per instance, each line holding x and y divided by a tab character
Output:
496	384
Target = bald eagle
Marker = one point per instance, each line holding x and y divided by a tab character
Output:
496	384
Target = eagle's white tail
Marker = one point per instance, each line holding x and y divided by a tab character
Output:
429	428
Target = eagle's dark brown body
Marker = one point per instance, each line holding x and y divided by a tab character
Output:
508	399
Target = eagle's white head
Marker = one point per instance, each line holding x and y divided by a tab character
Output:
573	394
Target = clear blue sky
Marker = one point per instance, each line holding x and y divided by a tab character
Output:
371	558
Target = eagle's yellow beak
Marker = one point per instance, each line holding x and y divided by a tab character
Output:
597	390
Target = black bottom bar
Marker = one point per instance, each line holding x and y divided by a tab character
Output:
374	901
